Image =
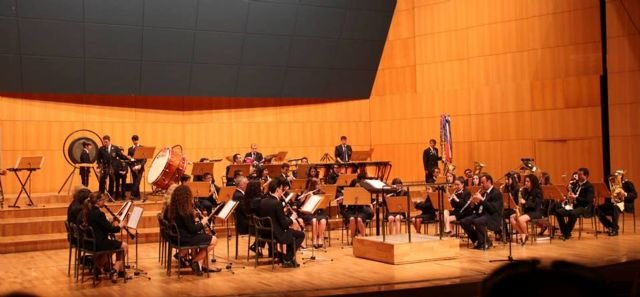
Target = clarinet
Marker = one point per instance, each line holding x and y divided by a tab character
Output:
115	218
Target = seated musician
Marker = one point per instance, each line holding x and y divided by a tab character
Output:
181	213
512	188
428	212
210	201
487	214
475	180
468	176
583	193
271	207
530	205
236	174
251	201
459	201
394	219
286	175
75	207
91	216
254	157
433	177
356	215
545	179
236	159
317	220
608	209
243	212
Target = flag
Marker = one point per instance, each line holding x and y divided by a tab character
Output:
445	139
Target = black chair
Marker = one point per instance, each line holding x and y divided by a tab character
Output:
264	234
72	238
533	224
630	209
174	243
591	213
88	247
162	240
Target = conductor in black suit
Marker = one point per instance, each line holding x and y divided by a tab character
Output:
255	155
487	214
272	207
137	167
430	159
85	158
108	156
343	151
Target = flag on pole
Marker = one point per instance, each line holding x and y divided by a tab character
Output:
445	139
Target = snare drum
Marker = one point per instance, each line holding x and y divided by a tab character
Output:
166	168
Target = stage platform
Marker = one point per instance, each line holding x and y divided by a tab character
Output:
45	272
396	249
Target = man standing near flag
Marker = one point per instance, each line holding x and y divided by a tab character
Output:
430	159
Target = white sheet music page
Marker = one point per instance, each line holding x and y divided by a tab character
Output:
134	218
377	184
227	209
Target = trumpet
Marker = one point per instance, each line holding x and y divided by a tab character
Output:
116	218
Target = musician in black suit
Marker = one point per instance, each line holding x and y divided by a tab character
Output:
430	159
459	207
108	157
609	209
85	158
137	168
272	207
242	212
583	193
91	216
255	155
343	151
487	214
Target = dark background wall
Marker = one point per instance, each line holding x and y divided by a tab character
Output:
257	48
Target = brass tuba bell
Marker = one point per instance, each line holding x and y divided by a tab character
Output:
615	185
477	167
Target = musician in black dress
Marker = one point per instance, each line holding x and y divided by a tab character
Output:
460	205
317	220
206	204
394	219
343	151
75	207
356	215
137	168
271	207
608	209
91	216
583	193
181	213
530	206
511	188
108	157
428	212
487	214
430	160
85	158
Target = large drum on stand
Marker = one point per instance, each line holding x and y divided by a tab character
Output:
166	168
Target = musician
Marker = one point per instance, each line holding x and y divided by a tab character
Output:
343	151
181	213
285	174
121	170
318	220
270	206
430	160
75	207
583	193
254	155
137	168
252	197
428	212
236	174
531	207
488	214
356	215
545	179
243	211
394	218
475	180
608	208
511	187
468	175
459	203
210	201
91	216
332	176
85	158
433	177
108	157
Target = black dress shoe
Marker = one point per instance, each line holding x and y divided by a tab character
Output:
288	264
487	245
544	229
196	268
613	233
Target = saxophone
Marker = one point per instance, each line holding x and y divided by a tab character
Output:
617	193
517	207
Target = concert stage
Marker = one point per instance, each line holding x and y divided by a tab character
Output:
396	249
45	272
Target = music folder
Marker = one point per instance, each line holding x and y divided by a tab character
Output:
227	210
356	196
200	168
29	163
144	152
199	189
134	218
313	203
226	194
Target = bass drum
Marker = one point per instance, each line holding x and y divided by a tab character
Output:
166	168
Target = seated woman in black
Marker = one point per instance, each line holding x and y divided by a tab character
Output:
394	218
356	215
181	213
428	212
530	205
317	220
459	201
206	204
91	216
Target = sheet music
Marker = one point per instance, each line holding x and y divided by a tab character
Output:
134	218
124	210
377	184
227	209
311	204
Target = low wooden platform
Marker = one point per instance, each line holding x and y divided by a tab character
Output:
396	249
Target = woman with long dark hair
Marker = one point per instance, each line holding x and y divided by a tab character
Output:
530	205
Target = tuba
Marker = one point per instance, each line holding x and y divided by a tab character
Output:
477	167
449	167
617	193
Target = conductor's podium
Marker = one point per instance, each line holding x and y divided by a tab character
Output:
396	249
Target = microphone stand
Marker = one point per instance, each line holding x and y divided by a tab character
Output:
509	258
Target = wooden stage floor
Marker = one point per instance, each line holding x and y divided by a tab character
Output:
44	272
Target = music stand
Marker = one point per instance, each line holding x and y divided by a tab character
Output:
144	152
601	191
224	214
310	206
506	197
360	155
234	167
555	194
199	189
132	223
274	170
355	196
396	204
297	185
200	168
29	164
280	156
226	194
302	170
344	180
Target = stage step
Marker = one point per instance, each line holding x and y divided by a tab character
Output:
41	199
60	209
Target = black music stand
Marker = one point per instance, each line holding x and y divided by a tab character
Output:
507	196
378	187
132	223
227	210
30	164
